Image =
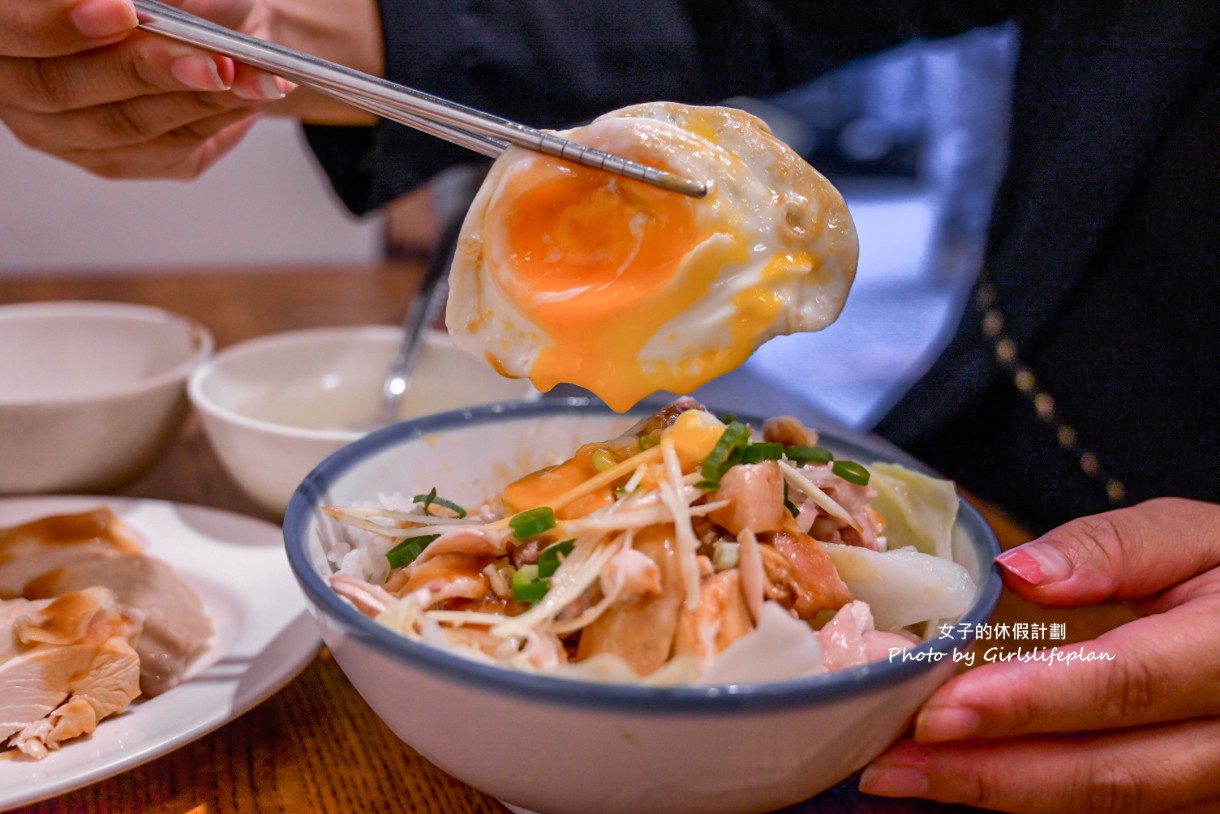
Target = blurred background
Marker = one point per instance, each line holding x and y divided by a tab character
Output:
914	138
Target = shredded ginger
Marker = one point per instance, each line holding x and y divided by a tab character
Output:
647	561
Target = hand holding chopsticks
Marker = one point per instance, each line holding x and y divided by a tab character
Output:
473	129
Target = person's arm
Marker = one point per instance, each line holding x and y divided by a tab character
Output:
1132	724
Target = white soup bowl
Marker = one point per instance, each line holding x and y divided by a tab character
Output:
90	392
274	406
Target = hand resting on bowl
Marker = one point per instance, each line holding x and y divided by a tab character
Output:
1135	732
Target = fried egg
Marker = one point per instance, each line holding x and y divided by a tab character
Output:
568	274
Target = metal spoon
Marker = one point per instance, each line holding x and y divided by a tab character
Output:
422	313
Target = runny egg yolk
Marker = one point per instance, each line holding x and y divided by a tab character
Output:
600	263
565	274
582	237
541	488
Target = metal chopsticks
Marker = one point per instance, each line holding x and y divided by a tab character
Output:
473	129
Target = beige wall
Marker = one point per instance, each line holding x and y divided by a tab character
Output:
266	202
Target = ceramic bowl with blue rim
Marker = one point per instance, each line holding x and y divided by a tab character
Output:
547	744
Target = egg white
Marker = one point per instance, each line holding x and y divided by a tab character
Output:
775	253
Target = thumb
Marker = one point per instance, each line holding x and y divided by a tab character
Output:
1125	554
50	28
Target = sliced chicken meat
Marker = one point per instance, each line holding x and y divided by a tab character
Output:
641	629
65	664
800	575
789	430
755	495
42	545
176	628
849	638
720	618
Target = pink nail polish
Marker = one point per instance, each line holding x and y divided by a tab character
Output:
1021	564
1037	563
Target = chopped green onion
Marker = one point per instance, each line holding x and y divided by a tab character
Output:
708	485
431	498
552	556
755	453
804	453
532	522
406	552
735	436
526	585
603	459
648	442
851	472
788	504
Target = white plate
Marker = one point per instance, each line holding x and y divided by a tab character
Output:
264	637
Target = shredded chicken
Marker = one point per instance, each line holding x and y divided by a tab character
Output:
666	547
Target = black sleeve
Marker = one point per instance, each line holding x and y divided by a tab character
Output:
554	64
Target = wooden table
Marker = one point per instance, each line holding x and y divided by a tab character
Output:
315	745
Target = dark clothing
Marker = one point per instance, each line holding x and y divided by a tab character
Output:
1103	251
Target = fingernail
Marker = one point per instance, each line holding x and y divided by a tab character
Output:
102	19
946	724
261	88
1037	563
272	87
198	73
893	781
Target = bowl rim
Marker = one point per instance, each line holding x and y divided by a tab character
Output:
201	340
198	396
551	690
197	383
